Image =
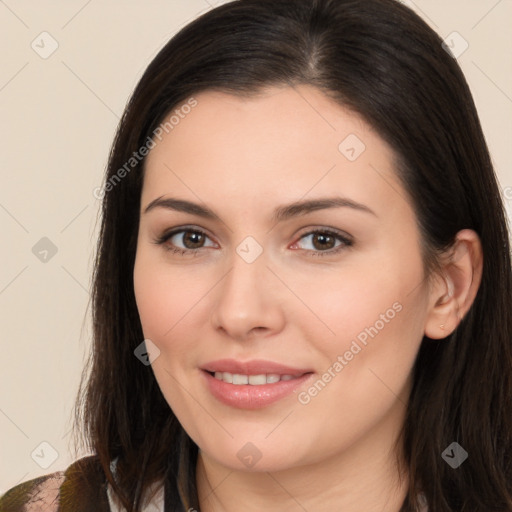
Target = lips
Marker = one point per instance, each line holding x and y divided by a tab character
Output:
252	384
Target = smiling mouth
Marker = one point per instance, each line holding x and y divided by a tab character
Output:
239	379
253	384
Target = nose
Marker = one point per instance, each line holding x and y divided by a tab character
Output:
248	300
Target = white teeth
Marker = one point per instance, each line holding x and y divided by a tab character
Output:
240	379
253	380
257	379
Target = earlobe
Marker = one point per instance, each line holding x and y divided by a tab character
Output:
455	289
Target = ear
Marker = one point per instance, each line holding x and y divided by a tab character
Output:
452	293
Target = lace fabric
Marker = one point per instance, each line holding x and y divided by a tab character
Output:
37	495
79	488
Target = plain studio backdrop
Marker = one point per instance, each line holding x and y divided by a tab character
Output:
67	71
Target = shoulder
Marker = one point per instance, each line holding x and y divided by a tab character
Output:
39	493
82	487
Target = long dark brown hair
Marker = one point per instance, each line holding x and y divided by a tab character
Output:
380	59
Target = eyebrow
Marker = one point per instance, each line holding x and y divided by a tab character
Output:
280	213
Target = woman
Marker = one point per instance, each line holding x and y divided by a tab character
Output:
303	289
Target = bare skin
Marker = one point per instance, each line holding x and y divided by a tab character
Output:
302	302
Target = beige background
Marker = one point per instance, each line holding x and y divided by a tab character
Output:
58	118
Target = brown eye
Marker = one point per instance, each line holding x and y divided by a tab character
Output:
193	239
324	242
184	241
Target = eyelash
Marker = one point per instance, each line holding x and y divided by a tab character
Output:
346	242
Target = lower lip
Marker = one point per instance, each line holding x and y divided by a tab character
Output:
247	396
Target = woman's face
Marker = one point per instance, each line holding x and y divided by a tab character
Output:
243	277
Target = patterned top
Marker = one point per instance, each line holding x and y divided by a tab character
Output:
82	487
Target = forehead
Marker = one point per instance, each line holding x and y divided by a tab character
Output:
281	143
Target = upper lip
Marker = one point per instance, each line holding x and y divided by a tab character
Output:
253	367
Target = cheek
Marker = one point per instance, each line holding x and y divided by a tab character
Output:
158	300
372	315
169	300
367	364
338	305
